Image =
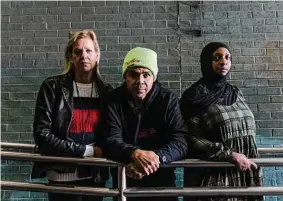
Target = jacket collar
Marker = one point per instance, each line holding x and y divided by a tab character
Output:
68	79
67	88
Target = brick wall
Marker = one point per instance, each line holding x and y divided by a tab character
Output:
34	35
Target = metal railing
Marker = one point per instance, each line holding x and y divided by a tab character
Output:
8	145
123	192
24	186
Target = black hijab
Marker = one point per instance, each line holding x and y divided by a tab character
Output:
211	89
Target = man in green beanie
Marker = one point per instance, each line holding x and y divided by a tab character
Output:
144	125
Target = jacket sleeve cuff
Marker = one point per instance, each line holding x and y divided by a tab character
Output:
89	151
129	152
229	155
80	150
163	159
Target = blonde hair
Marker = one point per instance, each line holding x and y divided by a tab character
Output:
73	37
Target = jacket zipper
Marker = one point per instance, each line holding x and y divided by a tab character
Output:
71	111
138	128
67	134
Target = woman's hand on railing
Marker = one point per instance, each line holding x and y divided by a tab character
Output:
133	172
242	162
146	162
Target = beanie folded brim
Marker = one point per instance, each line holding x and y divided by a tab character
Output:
141	57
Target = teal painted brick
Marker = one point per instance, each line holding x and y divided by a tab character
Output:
179	177
258	139
179	183
21	64
278	132
18	120
25	169
17	88
20	111
69	3
10	137
16	177
272	140
27	137
109	183
279	177
3	126
20	194
5	96
22	96
270	198
3	162
265	132
6	194
10	71
14	162
269	178
11	168
38	195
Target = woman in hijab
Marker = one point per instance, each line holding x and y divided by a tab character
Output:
223	128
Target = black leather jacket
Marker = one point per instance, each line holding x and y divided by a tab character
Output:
53	114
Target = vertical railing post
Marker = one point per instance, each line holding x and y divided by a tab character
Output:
121	182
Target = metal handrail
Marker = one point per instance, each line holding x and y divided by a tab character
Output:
202	163
144	192
42	158
105	162
24	186
202	191
8	145
264	150
124	192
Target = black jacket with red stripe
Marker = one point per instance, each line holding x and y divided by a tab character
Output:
53	114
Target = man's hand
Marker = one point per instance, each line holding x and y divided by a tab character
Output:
242	162
132	172
97	151
146	162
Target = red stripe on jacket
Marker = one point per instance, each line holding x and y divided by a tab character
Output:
84	120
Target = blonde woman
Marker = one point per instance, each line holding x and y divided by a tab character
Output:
67	114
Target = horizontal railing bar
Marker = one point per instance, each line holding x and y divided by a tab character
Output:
37	157
143	192
270	150
8	145
24	186
105	162
213	191
201	163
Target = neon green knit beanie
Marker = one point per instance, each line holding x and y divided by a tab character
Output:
142	57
